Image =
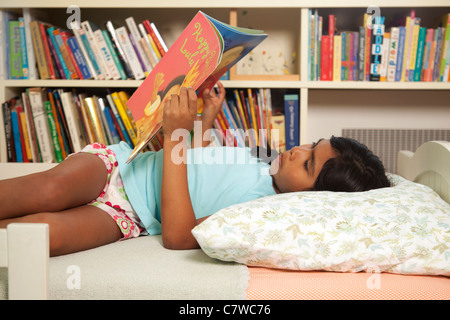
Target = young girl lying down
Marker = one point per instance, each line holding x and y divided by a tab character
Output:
94	197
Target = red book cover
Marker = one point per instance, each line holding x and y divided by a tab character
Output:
203	52
47	50
325	61
331	29
65	36
367	53
19	110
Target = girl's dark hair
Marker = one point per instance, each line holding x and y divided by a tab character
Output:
355	168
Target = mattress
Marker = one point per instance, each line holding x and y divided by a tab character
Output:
274	284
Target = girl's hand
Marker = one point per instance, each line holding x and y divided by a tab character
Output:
212	106
180	112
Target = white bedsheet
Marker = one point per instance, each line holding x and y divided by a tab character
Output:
142	269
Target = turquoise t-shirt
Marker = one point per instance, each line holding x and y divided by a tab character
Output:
217	178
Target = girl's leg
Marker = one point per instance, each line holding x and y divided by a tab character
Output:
76	181
74	229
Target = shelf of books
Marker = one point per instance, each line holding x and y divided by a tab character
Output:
71	85
393	45
46	125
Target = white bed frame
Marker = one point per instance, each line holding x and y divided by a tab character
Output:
24	248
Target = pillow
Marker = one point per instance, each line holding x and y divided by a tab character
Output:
401	229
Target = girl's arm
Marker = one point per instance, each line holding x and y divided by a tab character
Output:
177	213
212	106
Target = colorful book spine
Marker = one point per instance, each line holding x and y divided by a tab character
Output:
16	135
151	53
427	52
87	52
377	47
326	70
140	58
445	56
400	54
86	26
114	54
278	139
45	40
331	31
32	71
110	27
57	46
59	72
291	114
72	62
154	34
367	48
130	54
106	55
384	57
95	120
437	61
351	61
110	127
393	53
41	124
361	52
79	58
31	128
420	54
344	56
25	138
337	58
414	49
124	116
121	127
53	98
73	121
429	67
311	45
53	131
23	49
15	48
135	37
8	132
355	41
409	25
318	42
253	114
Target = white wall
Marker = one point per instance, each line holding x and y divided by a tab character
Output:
332	110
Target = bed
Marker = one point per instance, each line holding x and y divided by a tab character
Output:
142	269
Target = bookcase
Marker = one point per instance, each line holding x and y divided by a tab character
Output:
326	107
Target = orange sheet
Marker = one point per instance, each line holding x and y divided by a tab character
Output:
272	284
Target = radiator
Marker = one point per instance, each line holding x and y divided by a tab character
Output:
386	143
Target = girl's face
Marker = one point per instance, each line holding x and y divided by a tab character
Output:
298	168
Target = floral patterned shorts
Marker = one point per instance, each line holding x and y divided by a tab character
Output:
113	199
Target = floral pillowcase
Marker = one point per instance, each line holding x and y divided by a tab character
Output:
402	229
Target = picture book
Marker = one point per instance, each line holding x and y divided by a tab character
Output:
203	52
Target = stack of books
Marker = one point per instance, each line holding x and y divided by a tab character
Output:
248	119
407	51
85	51
46	125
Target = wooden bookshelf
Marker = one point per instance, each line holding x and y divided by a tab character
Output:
172	15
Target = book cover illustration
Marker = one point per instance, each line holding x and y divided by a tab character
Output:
203	52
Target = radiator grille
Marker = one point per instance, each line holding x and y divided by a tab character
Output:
386	143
